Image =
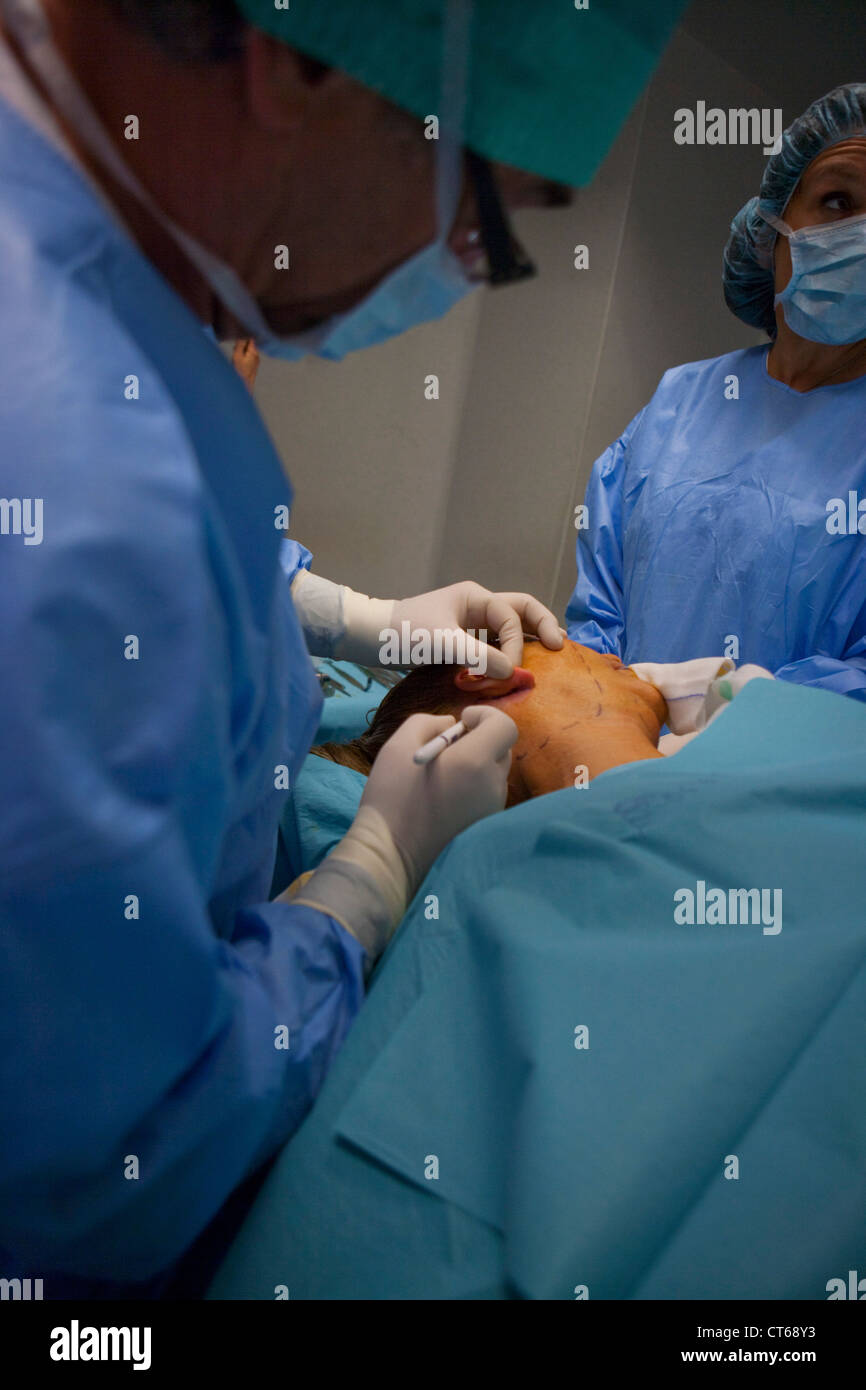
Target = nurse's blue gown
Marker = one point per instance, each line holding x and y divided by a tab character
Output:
708	520
156	689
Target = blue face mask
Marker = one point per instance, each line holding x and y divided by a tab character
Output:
423	288
825	298
428	284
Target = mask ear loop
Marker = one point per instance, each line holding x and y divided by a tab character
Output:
782	229
453	97
765	254
29	24
779	223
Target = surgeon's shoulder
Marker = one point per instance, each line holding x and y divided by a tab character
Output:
102	484
87	423
709	375
106	576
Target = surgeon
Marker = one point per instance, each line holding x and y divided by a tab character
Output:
263	172
731	514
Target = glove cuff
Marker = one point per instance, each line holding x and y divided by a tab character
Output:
725	688
363	883
684	684
364	619
318	604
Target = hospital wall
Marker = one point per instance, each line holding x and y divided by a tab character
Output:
535	380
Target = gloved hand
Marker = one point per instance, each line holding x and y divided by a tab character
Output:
425	807
341	623
725	687
408	814
469	605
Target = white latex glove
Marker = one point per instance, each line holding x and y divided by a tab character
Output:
408	814
469	605
326	610
684	684
341	623
725	687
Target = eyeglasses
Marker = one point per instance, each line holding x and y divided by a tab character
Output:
507	262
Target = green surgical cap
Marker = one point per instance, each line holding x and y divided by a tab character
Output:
550	84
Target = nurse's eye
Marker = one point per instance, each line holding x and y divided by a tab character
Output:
837	202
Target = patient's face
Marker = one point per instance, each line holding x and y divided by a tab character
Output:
559	701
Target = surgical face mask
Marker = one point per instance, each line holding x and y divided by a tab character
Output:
825	298
423	288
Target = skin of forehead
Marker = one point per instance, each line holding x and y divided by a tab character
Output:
847	158
853	149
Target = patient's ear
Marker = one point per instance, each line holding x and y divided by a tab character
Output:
471	682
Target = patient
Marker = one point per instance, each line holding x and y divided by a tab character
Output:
574	708
546	1087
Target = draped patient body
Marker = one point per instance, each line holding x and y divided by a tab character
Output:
575	709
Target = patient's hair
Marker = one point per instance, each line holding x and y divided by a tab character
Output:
426	690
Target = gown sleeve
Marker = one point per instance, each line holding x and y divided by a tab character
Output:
845	676
595	615
164	1030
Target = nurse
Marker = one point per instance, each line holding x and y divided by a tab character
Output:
714	521
165	1027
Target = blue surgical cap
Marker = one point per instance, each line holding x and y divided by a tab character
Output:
748	263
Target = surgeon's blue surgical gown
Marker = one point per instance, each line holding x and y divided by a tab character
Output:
156	692
708	520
